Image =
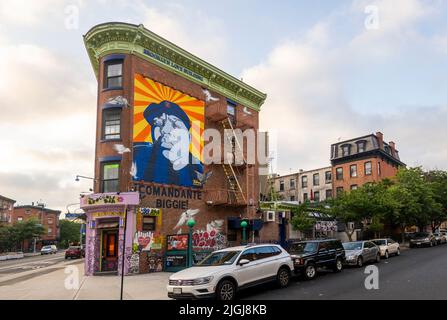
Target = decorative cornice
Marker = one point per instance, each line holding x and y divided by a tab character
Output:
117	37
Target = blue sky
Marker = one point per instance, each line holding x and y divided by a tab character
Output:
327	77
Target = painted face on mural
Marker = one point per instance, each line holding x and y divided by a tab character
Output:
174	138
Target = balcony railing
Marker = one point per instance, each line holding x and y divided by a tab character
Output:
224	197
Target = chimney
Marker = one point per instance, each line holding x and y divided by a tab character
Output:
379	136
393	148
301	170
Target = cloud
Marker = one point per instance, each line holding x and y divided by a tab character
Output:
308	106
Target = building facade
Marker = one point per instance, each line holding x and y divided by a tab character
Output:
361	160
315	185
286	187
6	210
156	105
48	218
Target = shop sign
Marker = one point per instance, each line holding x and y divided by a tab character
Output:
101	199
151	212
107	214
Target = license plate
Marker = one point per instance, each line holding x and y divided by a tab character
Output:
177	290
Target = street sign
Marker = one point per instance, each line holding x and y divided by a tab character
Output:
73	215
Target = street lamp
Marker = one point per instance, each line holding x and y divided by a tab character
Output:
244	226
191	223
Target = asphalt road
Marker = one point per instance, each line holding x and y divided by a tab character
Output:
415	274
29	263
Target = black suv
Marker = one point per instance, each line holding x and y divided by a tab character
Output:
310	255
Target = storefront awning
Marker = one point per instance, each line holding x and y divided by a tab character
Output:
104	225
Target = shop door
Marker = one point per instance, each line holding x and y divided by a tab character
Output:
109	254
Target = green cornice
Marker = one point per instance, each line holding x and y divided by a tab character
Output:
117	37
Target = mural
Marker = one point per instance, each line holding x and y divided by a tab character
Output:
177	242
184	217
167	135
142	241
211	238
325	226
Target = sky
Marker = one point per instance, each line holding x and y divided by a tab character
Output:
332	70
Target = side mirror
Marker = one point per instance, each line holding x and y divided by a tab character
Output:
243	262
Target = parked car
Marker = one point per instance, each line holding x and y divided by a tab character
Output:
48	249
74	252
308	256
224	272
387	247
440	237
360	252
423	239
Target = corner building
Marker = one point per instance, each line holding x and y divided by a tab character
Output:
155	100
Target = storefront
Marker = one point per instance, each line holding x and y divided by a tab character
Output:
106	214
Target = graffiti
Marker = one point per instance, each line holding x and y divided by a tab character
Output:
90	255
103	199
326	226
184	218
168	140
142	241
203	178
151	212
177	242
134	263
155	263
211	238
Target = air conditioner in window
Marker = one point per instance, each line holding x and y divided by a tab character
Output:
269	216
351	225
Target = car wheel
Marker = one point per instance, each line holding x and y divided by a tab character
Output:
338	265
378	258
359	262
398	252
226	290
310	272
386	255
283	277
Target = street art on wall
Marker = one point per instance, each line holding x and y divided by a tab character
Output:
167	135
142	241
211	238
184	218
134	266
325	226
177	242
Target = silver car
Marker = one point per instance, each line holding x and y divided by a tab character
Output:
360	252
51	249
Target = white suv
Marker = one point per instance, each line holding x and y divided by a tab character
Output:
226	271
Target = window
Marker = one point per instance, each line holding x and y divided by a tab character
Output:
316	179
231	235
50	220
231	109
353	170
292	198
328	176
281	185
329	194
354	187
361	146
149	223
346	150
304	181
339	190
292	183
19	218
317	196
368	168
110	177
378	169
113	74
50	231
305	197
27	211
111	124
249	254
339	174
263	252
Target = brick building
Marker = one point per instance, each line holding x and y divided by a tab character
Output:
47	217
361	160
315	185
155	101
6	210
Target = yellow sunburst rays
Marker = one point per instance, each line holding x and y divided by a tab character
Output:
148	91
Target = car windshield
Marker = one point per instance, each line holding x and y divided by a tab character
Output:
381	242
74	248
421	235
303	247
352	245
219	258
46	247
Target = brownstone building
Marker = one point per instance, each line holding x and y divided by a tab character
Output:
361	160
48	218
156	105
6	210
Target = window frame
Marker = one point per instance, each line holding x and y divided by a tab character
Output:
370	168
281	185
326	175
350	171
329	191
112	62
318	179
337	173
103	165
152	224
106	112
294	184
304	184
315	196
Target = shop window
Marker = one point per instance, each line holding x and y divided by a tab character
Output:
111	124
149	223
110	177
113	74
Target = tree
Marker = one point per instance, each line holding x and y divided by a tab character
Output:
69	232
301	220
437	181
